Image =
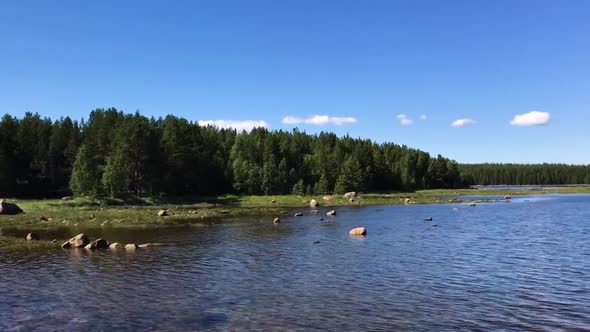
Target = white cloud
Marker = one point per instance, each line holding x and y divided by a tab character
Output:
239	125
533	118
423	117
404	120
462	122
319	120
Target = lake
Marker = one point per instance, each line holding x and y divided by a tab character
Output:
518	266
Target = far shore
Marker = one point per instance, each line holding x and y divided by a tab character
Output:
88	213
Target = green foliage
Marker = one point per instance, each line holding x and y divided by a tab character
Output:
124	155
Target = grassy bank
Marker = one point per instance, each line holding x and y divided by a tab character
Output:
142	213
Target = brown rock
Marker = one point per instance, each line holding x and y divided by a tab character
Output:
32	237
358	231
78	241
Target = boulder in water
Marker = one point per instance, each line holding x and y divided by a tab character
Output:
131	246
78	241
358	231
115	245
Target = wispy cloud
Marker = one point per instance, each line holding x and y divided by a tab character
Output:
239	125
423	117
533	118
462	122
319	120
404	120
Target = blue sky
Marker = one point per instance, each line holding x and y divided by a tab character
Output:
363	66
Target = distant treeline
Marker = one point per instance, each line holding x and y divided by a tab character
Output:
117	154
523	174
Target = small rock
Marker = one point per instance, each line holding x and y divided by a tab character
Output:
131	246
331	213
472	204
358	231
316	242
428	219
508	197
327	198
276	221
43	218
67	198
101	243
321	219
351	200
163	213
350	194
54	241
78	241
115	245
435	225
32	237
273	201
298	214
313	203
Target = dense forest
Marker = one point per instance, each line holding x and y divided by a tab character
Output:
116	154
523	174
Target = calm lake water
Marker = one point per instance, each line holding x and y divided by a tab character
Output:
516	266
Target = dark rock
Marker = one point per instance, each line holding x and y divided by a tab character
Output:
428	219
9	208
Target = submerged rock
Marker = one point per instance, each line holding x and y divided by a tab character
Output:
32	237
78	241
358	231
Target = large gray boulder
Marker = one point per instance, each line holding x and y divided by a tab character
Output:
9	208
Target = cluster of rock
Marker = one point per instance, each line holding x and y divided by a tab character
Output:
358	231
82	241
